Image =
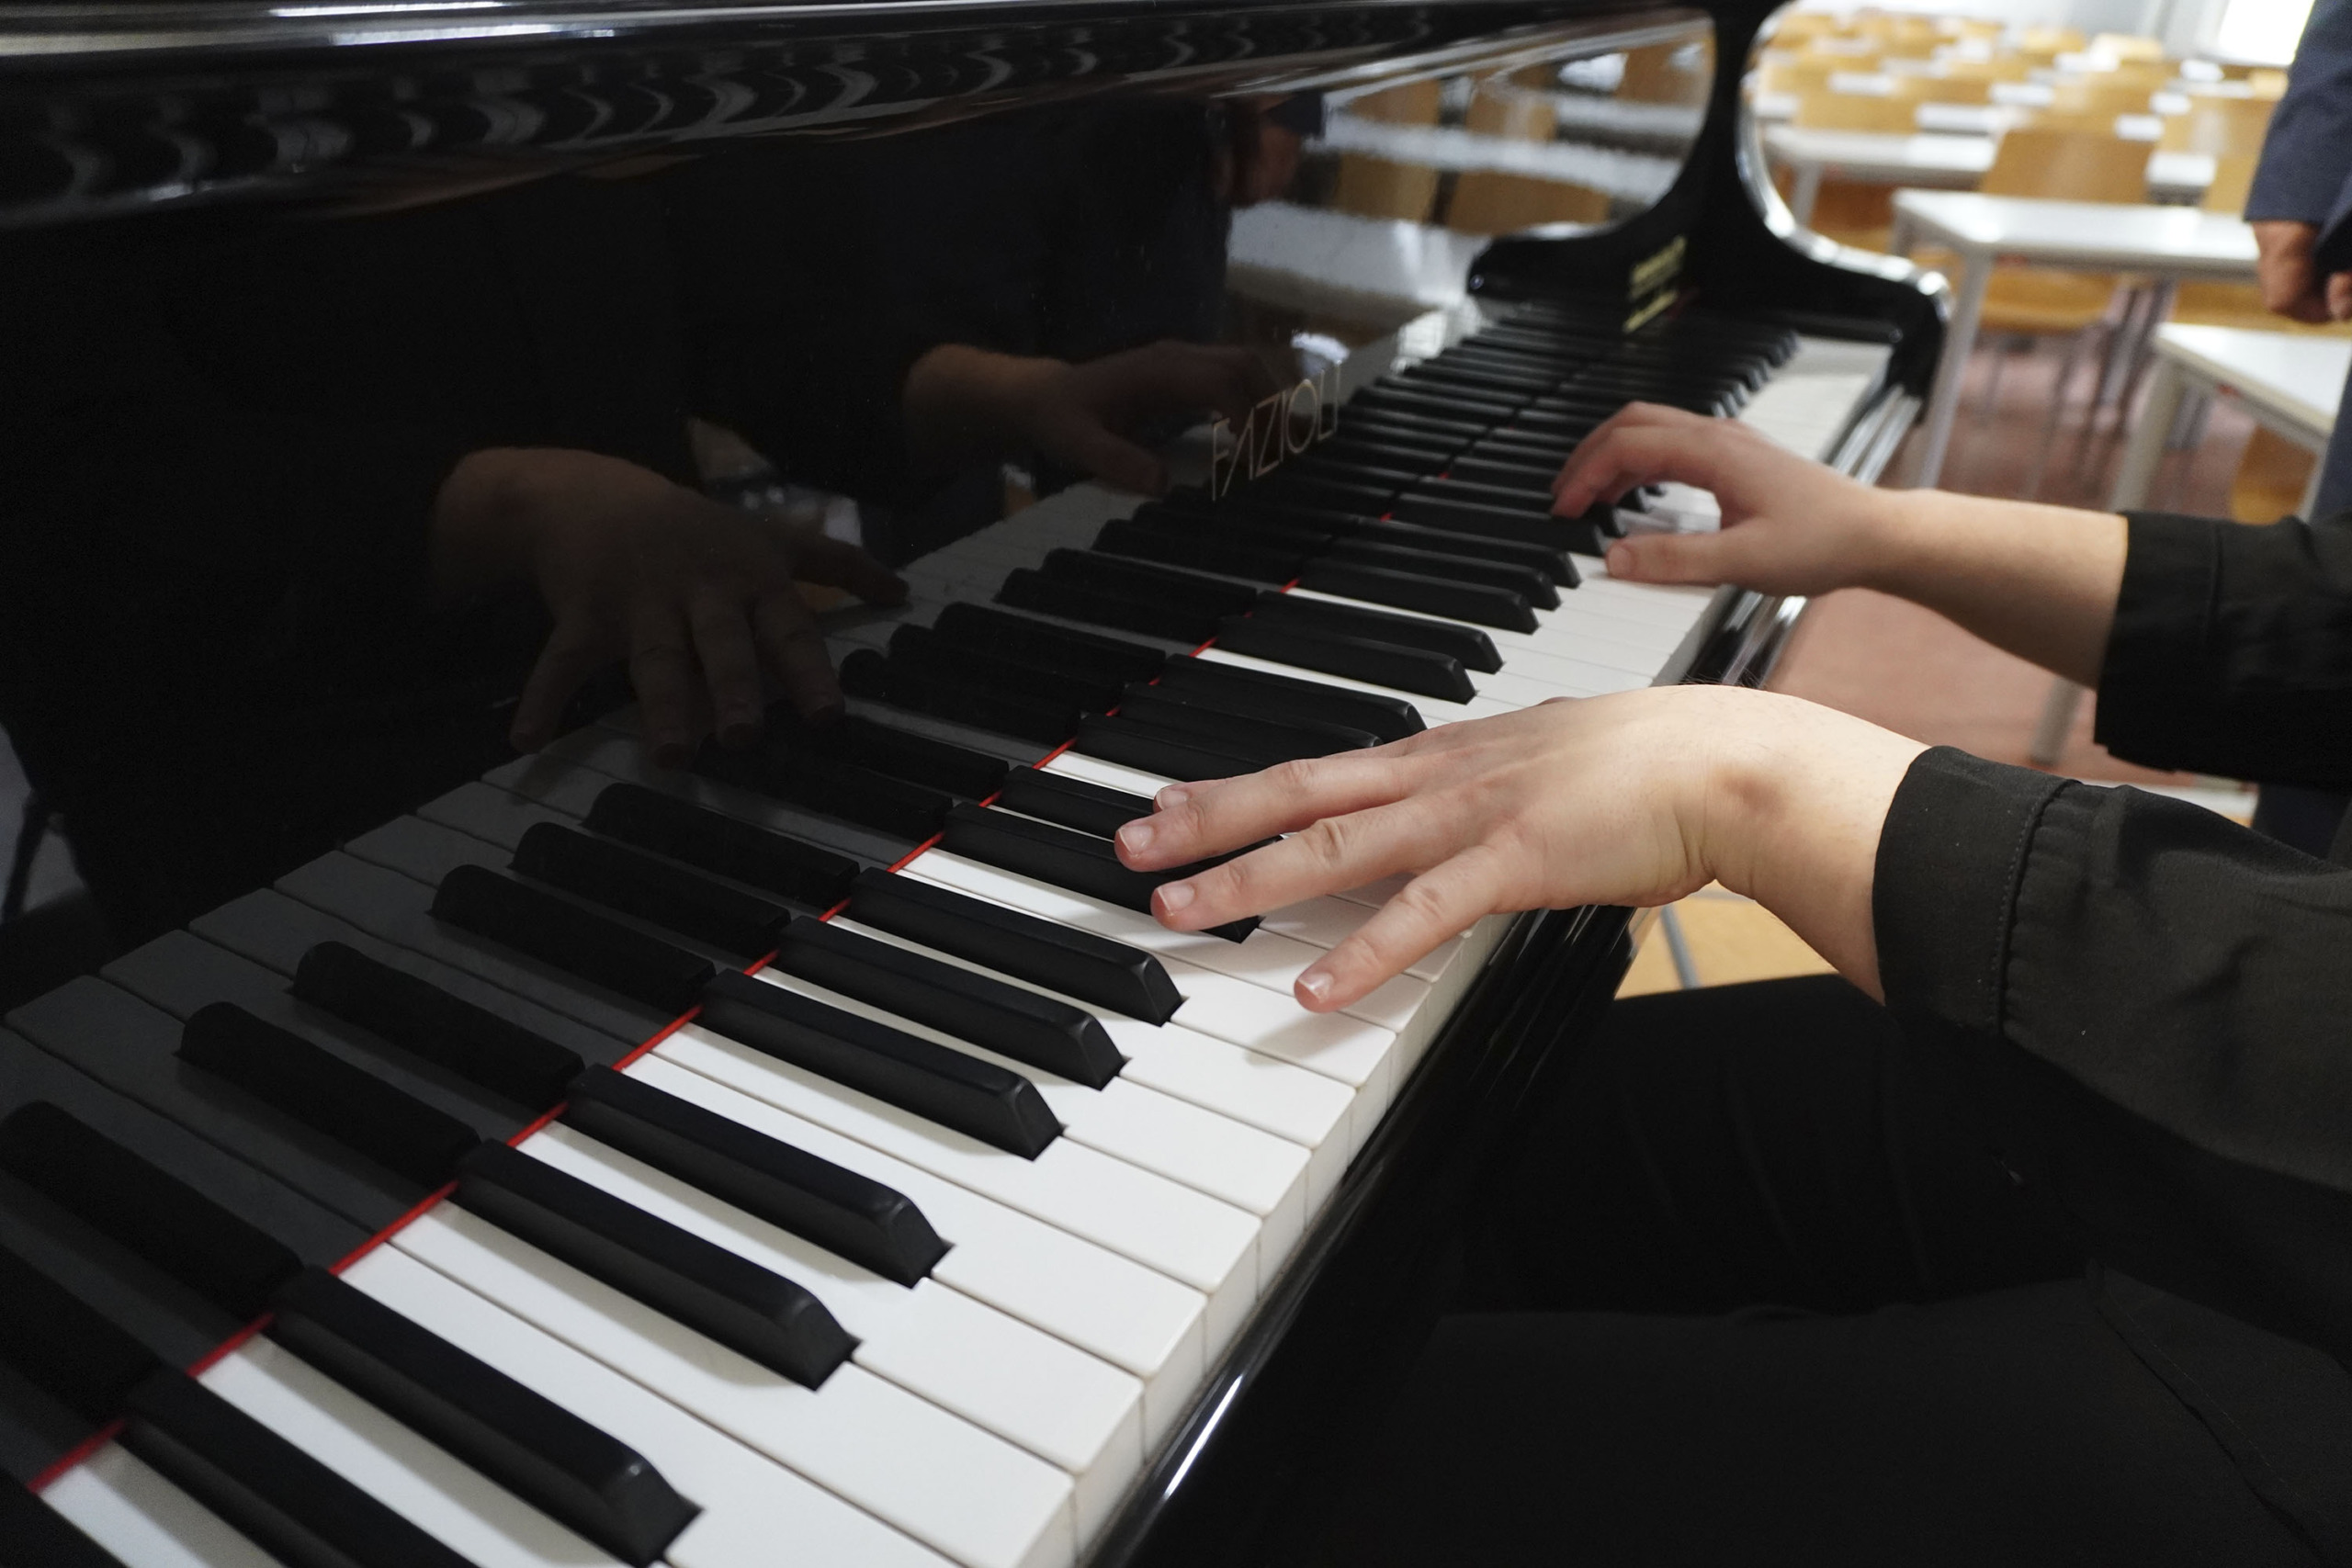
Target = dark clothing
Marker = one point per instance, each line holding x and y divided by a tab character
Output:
2117	1028
1932	1381
2305	175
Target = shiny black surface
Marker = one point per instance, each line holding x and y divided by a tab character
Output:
270	275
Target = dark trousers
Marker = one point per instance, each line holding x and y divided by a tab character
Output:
1758	1295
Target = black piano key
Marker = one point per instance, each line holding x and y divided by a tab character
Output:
536	1448
183	974
734	1301
1174	754
364	1113
1550	560
1193	514
866	674
1467	644
1027	588
1535	476
1477	517
542	926
901	754
1263	692
1074	803
1077	963
420	1017
635	884
923	649
836	788
1456	600
1142	542
1008	1019
666	824
1376	663
1075	861
266	1488
1282	738
133	1049
145	1209
276	931
1148	580
1527	583
979	1098
852	1215
34	1535
65	1347
1039	642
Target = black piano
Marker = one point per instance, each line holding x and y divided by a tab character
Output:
804	1149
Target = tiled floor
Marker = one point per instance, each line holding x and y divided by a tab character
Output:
1914	671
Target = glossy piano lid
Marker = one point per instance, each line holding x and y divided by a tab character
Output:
108	110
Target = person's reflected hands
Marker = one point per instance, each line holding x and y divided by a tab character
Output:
1789	526
697	597
965	403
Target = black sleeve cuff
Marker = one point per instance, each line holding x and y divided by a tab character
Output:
1950	859
2163	616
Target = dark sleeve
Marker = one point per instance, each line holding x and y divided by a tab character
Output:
2309	146
2156	1005
2232	650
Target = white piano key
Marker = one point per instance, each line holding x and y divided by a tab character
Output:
1216	1003
1191	1238
143	1520
1242	1165
1060	1404
1289	1102
1110	775
749	1502
416	1479
970	1496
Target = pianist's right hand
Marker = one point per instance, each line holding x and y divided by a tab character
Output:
697	596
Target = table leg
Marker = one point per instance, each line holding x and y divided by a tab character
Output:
1960	337
2135	476
1805	190
2159	307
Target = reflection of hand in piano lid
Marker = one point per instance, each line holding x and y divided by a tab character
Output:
965	404
699	598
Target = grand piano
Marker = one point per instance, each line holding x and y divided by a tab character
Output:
812	1154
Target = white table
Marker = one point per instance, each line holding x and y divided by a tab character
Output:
1934	161
2165	242
2290	383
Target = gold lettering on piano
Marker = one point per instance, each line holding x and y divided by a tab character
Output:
1649	286
1281	425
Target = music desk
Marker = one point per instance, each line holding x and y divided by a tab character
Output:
2290	383
2167	244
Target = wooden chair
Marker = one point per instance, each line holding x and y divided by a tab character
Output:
1944	89
2129	46
1858	111
1492	201
2272	475
1382	187
2099	96
1797	73
2034	302
2225	125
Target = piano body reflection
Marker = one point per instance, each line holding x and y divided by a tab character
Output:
814	1154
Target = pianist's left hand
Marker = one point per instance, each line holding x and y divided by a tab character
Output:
1637	798
697	596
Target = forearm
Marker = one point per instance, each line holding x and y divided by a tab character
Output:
966	405
2039	581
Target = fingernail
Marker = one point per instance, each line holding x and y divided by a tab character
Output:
1136	837
1174	896
1173	797
1314	987
1620	560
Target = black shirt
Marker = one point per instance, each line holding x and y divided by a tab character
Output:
2156	1004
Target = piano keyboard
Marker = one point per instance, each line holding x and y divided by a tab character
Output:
817	1155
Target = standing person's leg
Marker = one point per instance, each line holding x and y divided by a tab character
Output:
1752	1159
